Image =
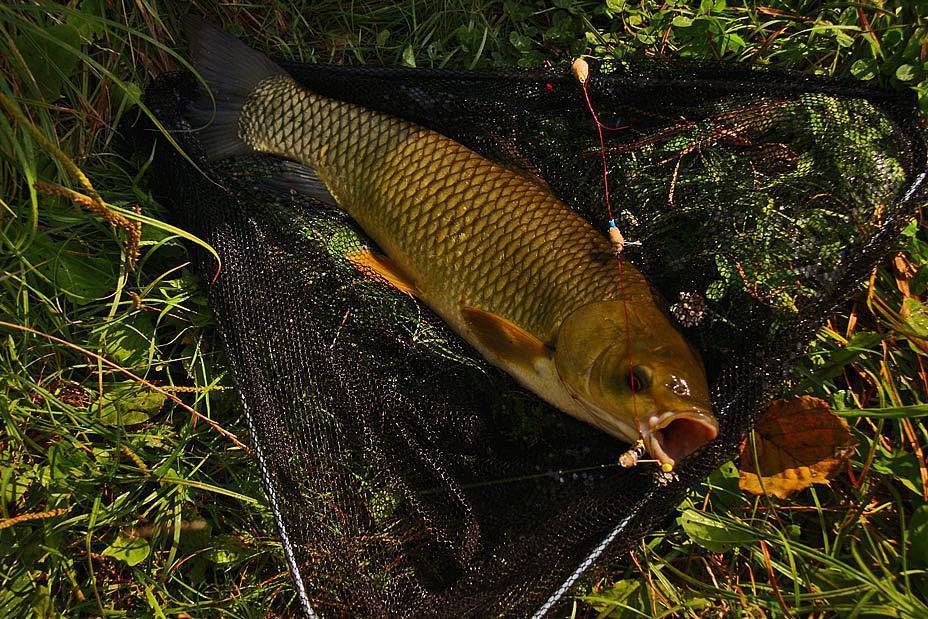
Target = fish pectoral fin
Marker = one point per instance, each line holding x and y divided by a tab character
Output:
382	267
504	338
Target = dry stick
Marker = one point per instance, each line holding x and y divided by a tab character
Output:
865	22
133	376
740	120
773	578
769	40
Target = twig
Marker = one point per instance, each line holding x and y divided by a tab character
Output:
773	578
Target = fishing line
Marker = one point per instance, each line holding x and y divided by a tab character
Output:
551	473
582	73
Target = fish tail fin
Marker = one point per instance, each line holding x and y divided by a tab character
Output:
231	70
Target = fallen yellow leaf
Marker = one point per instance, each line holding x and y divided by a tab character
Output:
799	442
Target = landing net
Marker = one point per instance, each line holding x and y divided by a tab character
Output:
409	477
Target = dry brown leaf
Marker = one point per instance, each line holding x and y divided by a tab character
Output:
904	271
799	442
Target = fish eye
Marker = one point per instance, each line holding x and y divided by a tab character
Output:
639	378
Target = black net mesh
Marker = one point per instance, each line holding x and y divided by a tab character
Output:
408	476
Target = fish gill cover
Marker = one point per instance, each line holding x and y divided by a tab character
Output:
410	477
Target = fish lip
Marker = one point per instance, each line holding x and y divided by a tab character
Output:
670	452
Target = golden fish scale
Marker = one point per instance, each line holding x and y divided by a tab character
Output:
469	231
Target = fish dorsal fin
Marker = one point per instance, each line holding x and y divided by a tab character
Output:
504	338
383	268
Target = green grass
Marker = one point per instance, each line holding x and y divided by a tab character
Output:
139	507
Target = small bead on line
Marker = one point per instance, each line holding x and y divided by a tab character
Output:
618	241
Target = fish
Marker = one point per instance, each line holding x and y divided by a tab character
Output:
524	279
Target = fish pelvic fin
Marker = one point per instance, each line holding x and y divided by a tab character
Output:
303	180
507	340
231	71
382	268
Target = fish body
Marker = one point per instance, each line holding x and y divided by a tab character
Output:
523	278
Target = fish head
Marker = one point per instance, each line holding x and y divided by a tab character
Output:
636	377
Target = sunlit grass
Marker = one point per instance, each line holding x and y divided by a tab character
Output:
112	472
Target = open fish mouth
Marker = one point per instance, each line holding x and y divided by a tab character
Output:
674	435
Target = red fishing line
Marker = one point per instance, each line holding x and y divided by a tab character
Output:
628	335
602	147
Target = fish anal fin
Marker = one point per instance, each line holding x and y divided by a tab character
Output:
504	338
383	268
